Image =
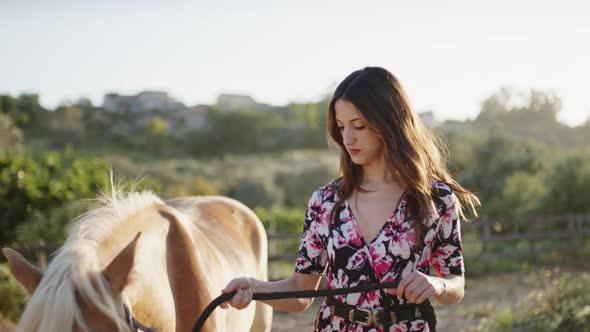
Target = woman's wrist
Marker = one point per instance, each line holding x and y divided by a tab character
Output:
442	287
252	284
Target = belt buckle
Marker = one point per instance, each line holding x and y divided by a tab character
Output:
371	317
393	317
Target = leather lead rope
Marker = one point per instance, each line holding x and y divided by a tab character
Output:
289	295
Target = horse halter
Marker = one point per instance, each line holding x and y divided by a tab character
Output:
134	323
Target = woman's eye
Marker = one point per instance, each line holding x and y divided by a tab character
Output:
341	128
360	127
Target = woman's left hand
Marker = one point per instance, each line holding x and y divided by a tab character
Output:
417	287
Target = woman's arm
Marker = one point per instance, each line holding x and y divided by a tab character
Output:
453	289
417	287
247	286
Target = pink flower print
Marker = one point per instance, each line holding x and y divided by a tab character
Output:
440	267
381	260
399	245
339	323
357	260
399	328
355	328
313	244
316	199
345	215
456	261
349	236
302	263
429	237
445	251
341	280
425	259
328	191
364	299
446	223
330	247
411	237
354	298
419	325
325	313
408	269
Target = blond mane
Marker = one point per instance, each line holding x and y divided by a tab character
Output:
75	270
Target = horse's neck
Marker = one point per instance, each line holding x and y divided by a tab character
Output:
190	287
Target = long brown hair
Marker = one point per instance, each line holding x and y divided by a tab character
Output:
411	150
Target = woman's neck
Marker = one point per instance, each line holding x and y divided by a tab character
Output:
377	173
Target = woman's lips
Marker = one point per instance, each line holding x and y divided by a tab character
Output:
354	151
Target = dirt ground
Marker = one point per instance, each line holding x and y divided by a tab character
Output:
482	297
6	326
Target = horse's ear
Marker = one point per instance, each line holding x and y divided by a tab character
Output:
117	272
23	271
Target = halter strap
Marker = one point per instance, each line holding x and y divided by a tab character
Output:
134	323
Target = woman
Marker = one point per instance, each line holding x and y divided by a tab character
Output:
393	213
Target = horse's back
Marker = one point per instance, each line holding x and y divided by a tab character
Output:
234	230
226	219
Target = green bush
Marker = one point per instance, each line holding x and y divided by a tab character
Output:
298	184
50	226
281	219
564	305
255	192
12	295
31	184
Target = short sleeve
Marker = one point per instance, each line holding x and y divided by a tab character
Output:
312	256
447	252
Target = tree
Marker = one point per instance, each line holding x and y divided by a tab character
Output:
67	123
508	108
156	132
569	185
497	161
29	108
11	137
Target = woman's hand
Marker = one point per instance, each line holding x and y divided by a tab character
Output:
417	287
243	295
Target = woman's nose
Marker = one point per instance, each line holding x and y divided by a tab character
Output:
347	136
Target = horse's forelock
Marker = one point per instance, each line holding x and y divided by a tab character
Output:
74	273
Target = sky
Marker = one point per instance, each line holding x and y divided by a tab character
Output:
449	55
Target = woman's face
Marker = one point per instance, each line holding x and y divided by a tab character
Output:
362	144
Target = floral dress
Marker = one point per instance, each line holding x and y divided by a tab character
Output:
351	262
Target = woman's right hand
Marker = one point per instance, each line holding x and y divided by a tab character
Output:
243	296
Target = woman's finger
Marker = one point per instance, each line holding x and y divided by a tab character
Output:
410	291
401	287
423	292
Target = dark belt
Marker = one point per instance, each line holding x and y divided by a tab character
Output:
374	318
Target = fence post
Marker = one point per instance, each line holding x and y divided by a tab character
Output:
485	244
486	236
41	255
272	249
577	229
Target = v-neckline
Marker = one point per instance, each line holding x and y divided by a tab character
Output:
385	223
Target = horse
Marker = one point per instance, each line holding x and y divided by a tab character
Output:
158	262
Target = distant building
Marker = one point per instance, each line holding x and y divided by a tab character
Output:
144	101
428	119
190	118
234	102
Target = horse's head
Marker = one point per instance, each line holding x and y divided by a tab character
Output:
73	297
